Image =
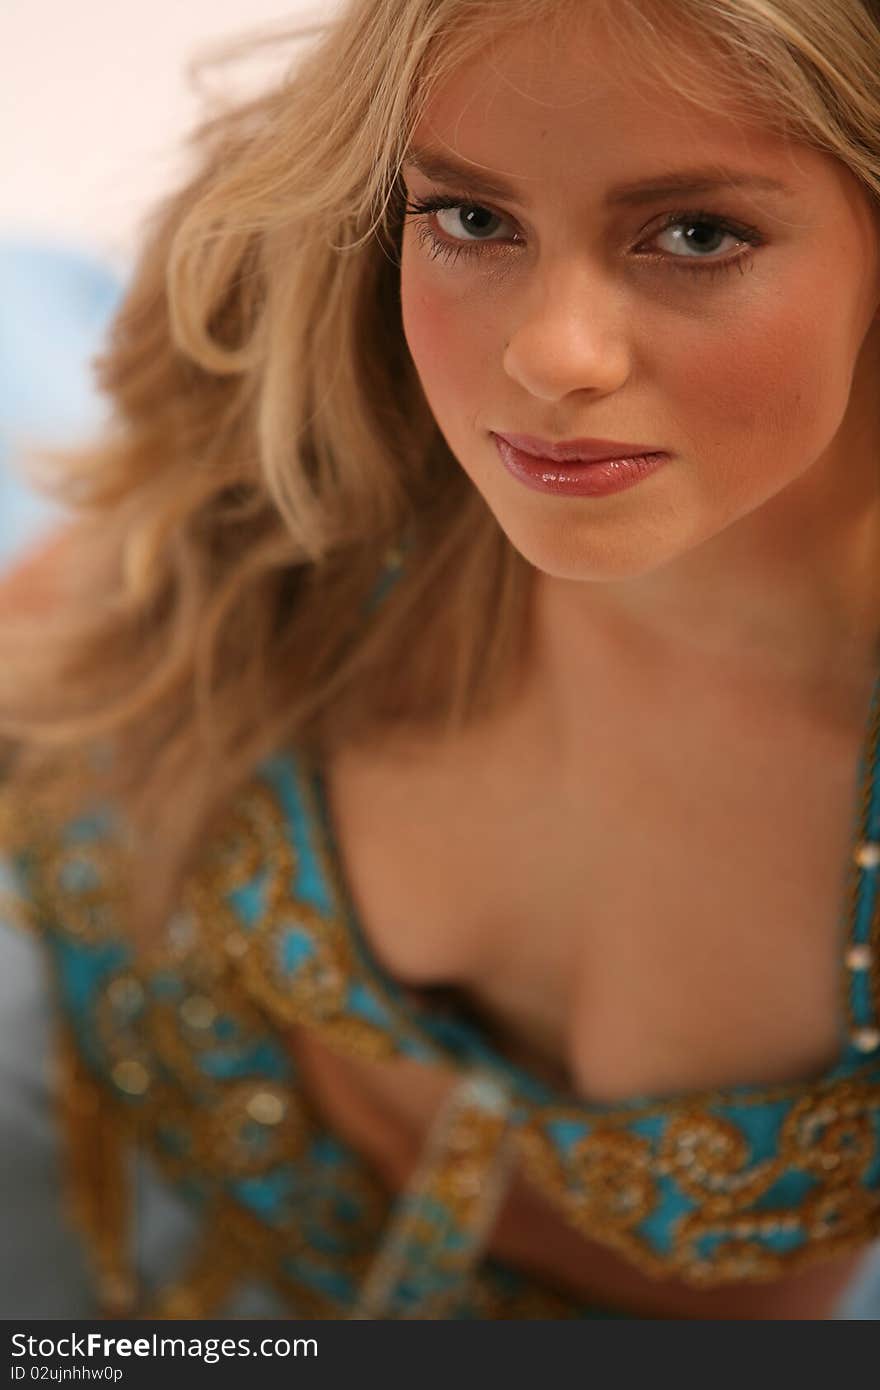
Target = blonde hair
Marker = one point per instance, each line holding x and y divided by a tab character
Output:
271	440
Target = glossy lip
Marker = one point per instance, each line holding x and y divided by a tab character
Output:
598	478
578	450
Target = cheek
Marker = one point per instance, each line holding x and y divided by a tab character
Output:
448	340
773	379
766	378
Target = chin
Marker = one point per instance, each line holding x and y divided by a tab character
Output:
559	558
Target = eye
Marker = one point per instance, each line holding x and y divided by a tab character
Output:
476	221
695	235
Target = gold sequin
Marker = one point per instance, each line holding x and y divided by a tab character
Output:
126	993
198	1012
859	957
267	1108
867	854
131	1076
394	557
181	931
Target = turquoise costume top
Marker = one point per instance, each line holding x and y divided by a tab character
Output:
183	1053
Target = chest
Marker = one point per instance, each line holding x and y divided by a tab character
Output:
670	917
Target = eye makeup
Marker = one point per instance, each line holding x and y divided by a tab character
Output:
423	213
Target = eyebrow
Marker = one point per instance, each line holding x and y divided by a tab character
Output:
435	164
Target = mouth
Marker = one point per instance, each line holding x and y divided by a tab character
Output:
578	450
590	469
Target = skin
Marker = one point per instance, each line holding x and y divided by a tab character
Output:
752	556
737	585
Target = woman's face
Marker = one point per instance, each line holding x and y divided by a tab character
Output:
733	326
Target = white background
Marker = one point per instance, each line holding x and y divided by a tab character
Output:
94	101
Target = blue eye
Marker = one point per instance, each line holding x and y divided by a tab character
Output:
693	227
449	248
474	217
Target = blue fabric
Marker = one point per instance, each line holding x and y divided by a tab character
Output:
732	1184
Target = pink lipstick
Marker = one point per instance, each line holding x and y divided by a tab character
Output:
577	467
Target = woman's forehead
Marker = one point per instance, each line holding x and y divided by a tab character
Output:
581	58
580	74
541	113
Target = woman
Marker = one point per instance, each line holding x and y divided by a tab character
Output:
438	832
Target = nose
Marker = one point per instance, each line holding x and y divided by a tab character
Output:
570	335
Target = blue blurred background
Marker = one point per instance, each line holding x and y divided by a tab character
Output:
57	304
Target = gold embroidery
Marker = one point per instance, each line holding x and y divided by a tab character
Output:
832	1135
289	962
96	1149
314	992
829	1135
253	844
442	1218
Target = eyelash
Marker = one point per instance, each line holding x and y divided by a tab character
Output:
421	210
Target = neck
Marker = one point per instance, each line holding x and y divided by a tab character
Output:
785	601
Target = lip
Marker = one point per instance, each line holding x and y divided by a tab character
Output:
578	477
578	450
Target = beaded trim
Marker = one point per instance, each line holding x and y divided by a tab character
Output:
443	1217
862	958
